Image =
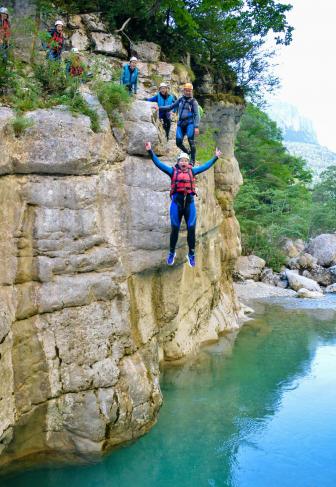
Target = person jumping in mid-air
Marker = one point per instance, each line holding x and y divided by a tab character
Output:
188	120
129	76
182	192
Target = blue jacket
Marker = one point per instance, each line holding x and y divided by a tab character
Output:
162	102
129	77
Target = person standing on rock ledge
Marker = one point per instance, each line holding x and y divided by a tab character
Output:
188	120
163	98
56	42
182	192
129	76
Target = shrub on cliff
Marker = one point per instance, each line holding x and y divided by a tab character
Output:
114	98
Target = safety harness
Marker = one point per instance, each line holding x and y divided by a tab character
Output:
191	109
183	181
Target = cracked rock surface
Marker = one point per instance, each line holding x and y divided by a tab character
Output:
88	308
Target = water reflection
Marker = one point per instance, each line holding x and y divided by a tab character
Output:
257	411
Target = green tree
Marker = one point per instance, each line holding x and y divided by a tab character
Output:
275	200
323	218
223	37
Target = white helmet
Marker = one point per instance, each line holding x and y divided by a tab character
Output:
4	10
133	58
75	50
183	155
59	22
163	85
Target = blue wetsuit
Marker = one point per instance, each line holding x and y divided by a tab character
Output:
182	205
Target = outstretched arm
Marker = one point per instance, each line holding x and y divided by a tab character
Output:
163	167
207	165
153	98
168	108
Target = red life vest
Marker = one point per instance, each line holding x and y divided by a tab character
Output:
183	181
59	39
5	32
76	71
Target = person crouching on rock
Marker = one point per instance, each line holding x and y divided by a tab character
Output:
75	68
188	120
129	76
182	192
163	98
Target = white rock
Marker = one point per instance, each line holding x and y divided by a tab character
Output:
147	51
80	40
323	248
305	293
94	23
249	267
109	44
297	282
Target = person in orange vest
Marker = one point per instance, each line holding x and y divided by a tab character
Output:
5	32
75	68
182	192
56	42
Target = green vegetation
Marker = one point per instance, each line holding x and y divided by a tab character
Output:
224	38
20	124
273	201
277	199
114	98
324	203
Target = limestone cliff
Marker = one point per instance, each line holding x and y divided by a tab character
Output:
88	308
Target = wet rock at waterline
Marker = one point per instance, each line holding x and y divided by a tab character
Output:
306	294
297	282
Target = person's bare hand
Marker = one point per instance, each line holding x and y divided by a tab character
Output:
196	131
218	152
148	145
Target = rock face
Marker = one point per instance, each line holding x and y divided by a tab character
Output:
297	282
88	307
323	248
108	44
249	267
147	51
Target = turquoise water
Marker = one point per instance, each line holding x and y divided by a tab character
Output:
258	411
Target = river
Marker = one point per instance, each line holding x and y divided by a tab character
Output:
254	410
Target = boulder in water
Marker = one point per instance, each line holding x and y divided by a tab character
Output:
331	289
297	282
305	293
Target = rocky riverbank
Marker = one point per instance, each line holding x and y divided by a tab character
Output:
310	270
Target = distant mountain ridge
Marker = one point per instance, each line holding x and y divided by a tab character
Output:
295	127
300	137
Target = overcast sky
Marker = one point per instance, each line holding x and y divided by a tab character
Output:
307	68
